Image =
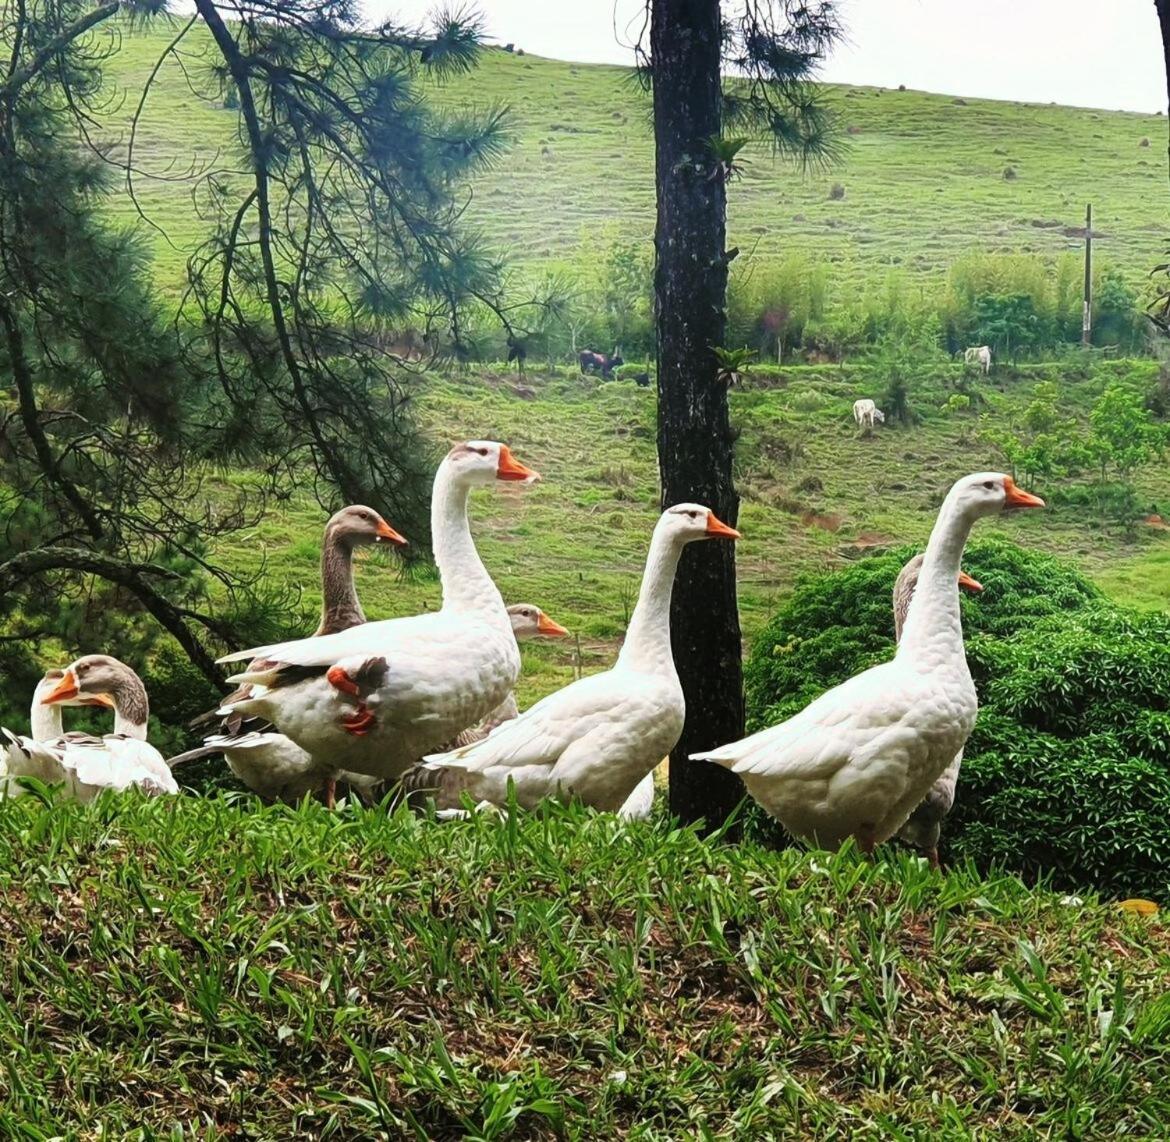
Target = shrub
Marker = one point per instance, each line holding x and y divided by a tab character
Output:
836	192
1068	771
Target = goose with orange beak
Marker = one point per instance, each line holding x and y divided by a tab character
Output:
378	697
599	737
22	757
88	764
270	764
858	760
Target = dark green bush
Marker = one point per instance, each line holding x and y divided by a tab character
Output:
1068	771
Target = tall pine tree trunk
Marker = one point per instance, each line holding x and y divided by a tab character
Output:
694	429
1163	9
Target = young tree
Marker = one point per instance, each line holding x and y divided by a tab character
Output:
343	233
338	225
771	48
104	531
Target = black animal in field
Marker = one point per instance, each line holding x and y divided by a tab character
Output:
518	352
592	362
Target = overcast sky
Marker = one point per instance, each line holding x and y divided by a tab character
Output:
1091	53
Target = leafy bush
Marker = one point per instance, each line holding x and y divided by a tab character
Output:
1068	771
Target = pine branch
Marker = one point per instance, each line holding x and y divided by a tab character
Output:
17	79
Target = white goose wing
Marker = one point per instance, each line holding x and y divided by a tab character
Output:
26	757
543	732
325	650
117	762
866	712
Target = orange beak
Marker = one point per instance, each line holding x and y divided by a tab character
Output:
965	580
1017	498
99	700
717	528
545	625
63	691
386	532
511	469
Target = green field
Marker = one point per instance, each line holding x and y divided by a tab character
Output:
815	493
206	967
923	177
193	969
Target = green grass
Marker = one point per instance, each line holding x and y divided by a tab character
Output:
198	968
923	177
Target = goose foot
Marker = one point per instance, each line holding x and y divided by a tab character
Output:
340	680
359	722
867	839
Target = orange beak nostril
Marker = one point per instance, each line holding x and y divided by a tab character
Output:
509	468
717	528
386	532
547	626
1016	497
64	691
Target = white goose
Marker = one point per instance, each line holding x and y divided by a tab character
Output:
265	760
600	736
924	826
115	761
45	725
445	788
376	698
856	761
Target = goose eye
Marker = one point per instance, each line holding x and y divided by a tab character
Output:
988	485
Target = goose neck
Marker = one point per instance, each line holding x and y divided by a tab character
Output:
45	722
340	608
933	632
467	586
131	707
647	644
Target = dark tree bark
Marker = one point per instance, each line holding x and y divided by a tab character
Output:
694	429
1163	7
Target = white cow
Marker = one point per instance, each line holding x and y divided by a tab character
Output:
866	413
979	355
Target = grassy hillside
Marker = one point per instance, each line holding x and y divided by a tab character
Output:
814	493
924	176
188	968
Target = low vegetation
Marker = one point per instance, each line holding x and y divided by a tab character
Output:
294	974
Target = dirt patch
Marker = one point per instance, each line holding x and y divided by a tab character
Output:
1047	223
1079	232
824	522
1156	521
870	539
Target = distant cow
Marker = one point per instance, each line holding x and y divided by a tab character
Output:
642	380
979	355
599	362
866	413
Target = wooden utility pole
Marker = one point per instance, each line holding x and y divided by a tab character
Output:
1087	316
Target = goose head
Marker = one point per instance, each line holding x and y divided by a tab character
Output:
988	493
685	523
476	462
529	620
50	682
358	525
95	677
